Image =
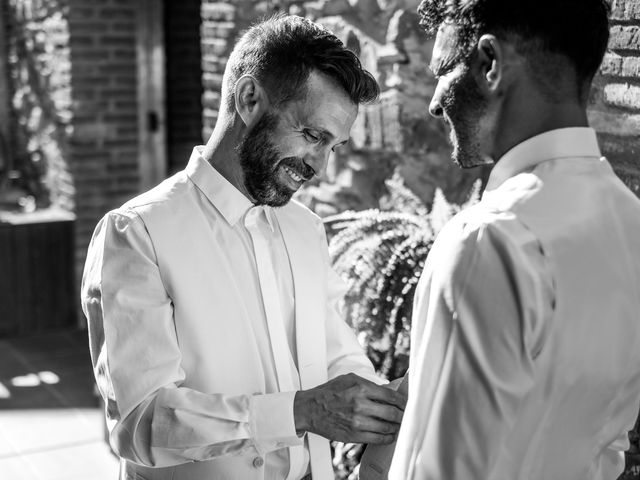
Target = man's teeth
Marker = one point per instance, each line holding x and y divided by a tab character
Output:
293	174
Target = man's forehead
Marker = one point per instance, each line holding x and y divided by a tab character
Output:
326	106
447	44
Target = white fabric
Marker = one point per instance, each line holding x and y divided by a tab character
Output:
525	359
180	340
264	243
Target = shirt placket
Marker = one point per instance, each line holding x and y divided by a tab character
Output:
258	227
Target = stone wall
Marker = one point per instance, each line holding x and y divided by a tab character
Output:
615	102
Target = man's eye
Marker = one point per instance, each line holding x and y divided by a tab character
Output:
310	136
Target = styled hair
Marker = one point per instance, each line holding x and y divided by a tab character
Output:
575	29
281	52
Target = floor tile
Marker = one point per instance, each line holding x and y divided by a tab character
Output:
12	362
28	431
87	461
18	468
7	448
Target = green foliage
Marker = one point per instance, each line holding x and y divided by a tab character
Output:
381	254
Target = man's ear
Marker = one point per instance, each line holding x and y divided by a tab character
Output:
491	63
251	100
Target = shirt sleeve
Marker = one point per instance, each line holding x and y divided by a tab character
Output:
344	352
481	312
152	419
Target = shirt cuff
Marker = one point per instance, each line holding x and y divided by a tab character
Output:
272	423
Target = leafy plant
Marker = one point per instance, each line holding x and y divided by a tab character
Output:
381	254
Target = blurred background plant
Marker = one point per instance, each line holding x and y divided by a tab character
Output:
380	253
39	68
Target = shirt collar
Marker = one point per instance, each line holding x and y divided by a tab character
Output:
227	199
561	143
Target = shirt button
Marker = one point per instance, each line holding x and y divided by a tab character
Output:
258	462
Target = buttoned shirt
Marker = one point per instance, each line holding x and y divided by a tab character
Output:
181	336
525	356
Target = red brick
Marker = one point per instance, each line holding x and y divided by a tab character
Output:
625	10
615	123
622	95
618	66
215	47
625	37
217	11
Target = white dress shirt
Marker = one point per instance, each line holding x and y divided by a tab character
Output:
182	337
525	357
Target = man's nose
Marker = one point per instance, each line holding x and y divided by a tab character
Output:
435	108
317	160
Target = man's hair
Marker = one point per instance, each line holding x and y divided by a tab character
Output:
281	52
540	29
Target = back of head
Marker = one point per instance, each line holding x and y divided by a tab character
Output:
281	52
543	31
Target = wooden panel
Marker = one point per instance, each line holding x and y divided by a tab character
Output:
151	94
37	290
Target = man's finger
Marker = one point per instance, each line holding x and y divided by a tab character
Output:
381	411
386	395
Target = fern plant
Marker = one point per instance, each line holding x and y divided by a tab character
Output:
381	254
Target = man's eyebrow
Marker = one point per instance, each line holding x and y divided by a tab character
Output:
443	67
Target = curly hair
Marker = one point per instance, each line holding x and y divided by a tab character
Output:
281	52
575	29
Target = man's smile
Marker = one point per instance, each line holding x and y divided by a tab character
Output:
293	174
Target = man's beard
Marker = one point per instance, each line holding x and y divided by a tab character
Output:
260	162
467	111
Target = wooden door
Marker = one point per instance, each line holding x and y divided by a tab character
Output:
151	93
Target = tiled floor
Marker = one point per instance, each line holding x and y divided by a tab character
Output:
50	422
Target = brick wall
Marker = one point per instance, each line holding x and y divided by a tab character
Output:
184	80
222	21
103	149
615	103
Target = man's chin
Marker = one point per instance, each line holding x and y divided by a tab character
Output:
466	160
276	198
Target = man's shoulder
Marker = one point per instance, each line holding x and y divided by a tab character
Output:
170	193
478	228
472	223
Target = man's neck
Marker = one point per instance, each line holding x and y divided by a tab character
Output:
220	152
534	115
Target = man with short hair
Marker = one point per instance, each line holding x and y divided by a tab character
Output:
525	355
212	314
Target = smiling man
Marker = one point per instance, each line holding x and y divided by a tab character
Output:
211	303
525	346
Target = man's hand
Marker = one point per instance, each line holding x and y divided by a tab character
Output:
350	409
